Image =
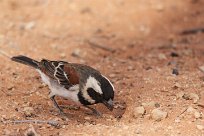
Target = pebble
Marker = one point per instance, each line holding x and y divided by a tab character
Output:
197	114
180	95
191	110
28	26
200	127
201	68
174	54
158	114
76	53
139	112
87	118
150	104
177	120
28	111
112	75
191	96
177	85
175	71
62	55
162	56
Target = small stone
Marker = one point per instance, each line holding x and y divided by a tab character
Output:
201	68
28	111
158	115
175	71
177	120
157	105
139	112
150	104
180	95
162	56
10	88
112	75
190	110
191	96
76	53
176	85
27	26
62	55
174	54
87	123
200	127
87	118
197	114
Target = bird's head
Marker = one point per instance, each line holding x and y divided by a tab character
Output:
102	91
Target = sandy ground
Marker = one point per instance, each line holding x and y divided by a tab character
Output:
144	44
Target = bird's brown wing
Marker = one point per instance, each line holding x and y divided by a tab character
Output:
60	71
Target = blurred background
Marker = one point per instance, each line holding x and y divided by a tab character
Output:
144	46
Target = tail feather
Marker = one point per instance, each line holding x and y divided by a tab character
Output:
25	60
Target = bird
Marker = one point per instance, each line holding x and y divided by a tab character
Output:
79	83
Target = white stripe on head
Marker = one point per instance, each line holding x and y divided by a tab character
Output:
109	82
94	84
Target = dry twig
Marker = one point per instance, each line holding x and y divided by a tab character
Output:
5	54
50	122
182	112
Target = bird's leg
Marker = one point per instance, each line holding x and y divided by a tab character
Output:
56	105
97	113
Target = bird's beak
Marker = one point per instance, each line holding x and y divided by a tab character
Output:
109	104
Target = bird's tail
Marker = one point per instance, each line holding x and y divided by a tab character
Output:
25	60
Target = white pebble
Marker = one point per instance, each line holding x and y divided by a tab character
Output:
158	115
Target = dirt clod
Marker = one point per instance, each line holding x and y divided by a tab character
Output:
191	96
139	112
28	111
158	114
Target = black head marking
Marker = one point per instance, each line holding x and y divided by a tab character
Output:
107	89
95	95
82	99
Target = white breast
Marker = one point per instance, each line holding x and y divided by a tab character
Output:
59	90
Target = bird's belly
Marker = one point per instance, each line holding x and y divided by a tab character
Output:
58	90
71	94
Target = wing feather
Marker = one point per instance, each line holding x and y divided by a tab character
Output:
60	71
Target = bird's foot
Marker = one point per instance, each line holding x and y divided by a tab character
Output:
94	112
